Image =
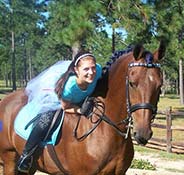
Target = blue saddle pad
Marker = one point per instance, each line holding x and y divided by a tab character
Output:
23	118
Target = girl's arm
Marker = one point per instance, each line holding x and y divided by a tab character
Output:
70	108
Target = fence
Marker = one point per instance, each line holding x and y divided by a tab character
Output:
167	144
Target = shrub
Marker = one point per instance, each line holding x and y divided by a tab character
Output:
142	164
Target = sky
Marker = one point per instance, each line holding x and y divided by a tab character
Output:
108	29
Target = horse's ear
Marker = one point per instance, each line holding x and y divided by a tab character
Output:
137	52
160	53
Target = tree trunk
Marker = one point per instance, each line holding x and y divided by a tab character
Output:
30	65
14	87
25	67
75	49
113	39
6	75
164	84
181	81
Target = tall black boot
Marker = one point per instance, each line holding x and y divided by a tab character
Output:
36	137
25	162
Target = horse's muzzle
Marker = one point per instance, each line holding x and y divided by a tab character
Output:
142	140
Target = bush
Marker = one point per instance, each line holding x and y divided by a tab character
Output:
142	164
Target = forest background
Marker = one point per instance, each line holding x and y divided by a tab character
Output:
34	34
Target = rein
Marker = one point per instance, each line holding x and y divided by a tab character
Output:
99	110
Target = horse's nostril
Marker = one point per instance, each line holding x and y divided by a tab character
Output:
140	140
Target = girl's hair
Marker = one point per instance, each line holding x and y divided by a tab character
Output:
70	71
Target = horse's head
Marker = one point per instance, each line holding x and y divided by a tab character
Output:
143	86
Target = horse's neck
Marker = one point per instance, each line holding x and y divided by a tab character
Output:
116	96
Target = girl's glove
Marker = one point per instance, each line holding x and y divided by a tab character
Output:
87	107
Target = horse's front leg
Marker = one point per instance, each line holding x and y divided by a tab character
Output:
125	157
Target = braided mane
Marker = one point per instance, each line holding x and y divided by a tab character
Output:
115	56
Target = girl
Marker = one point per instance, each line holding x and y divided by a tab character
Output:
69	92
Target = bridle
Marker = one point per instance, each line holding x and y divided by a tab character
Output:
100	107
132	108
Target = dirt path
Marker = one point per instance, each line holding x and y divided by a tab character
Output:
163	166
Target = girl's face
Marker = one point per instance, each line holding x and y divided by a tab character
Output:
86	71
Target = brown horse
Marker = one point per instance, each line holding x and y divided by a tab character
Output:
132	92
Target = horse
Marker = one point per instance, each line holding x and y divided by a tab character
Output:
102	144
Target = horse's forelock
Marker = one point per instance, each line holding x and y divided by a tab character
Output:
149	58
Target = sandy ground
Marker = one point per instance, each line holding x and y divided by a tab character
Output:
163	167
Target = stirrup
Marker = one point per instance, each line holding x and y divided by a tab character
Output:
25	163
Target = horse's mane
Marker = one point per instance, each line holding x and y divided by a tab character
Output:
102	85
115	56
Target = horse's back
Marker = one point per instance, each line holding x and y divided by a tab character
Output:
9	108
11	104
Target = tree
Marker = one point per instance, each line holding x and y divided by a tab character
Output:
170	24
50	30
23	23
71	25
150	21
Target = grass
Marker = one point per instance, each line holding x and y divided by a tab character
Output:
164	104
170	100
146	165
164	155
2	96
3	89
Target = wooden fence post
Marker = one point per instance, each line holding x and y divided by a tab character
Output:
169	130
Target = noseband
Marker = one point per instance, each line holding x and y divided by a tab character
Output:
132	108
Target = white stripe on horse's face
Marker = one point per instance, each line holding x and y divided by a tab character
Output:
151	78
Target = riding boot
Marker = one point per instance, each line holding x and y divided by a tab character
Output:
36	137
25	162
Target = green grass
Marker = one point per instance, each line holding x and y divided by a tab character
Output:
146	165
170	100
164	104
2	96
163	154
4	90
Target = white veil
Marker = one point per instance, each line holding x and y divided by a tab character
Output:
40	90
